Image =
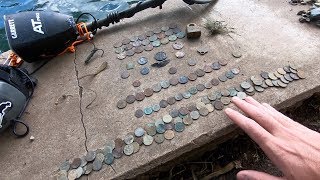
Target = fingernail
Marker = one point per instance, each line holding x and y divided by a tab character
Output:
235	98
228	110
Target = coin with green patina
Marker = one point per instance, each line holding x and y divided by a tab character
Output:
165	84
160	128
109	158
151	129
156	107
186	95
179	127
159	138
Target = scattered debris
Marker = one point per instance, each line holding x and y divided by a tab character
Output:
102	67
31	138
217	27
62	98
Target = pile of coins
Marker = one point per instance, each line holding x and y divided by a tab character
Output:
148	41
165	84
175	121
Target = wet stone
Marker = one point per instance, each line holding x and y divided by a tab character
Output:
139	113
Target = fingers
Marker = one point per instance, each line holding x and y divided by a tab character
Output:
263	118
278	115
252	128
256	175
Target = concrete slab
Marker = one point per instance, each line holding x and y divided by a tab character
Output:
268	33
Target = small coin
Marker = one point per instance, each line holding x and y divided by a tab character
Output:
194	115
203	111
215	82
212	96
156	88
183	79
245	85
173	38
181	35
128	139
203	50
183	111
130	99
269	83
192	62
164	84
148	47
72	174
174	113
186	95
233	92
147	140
176	30
128	149
207	69
161	35
160	128
192	107
144	70
169	32
178	97
216	66
156	107
169	134
163	103
165	28
136	147
117	153
205	100
148	92
139	132
117	45
130	66
136	43
148	110
121	104
287	69
236	54
118	144
130	53
159	138
235	71
179	127
187	120
138	50
200	87
156	43
218	105
160	56
225	100
177	45
121	56
158	122
171	100
120	49
140	96
210	107
88	169
293	66
164	41
223	62
173	25
241	95
301	74
134	38
229	75
172	70
281	84
192	77
180	54
178	119
264	75
138	140
259	88
97	165
272	76
75	163
274	82
145	42
225	93
208	85
281	71
288	77
126	41
142	60
142	37
109	158
193	90
153	38
264	85
125	74
294	76
283	79
251	89
200	72
223	78
139	113
65	166
174	81
278	75
149	33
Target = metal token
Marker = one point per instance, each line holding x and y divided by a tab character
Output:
193	90
148	47
156	107
192	77
301	74
275	83
180	35
169	32
236	54
183	111
229	75
139	113
97	165
233	92
164	41
187	120
156	88
65	166
200	72
194	115
251	89
149	33
121	104
140	96
192	107
178	97
130	66
169	134
153	38
179	126
171	100
178	119
142	60
210	107
117	153
134	38
147	140
245	85
117	45
208	85
126	41
156	43
121	56
264	85
72	174
186	95
200	87
288	77
75	163
281	84
241	95
203	111
278	75
148	92
223	78
144	70
136	147
172	70
205	100
174	81
174	113
130	53
207	69
294	76
183	79
160	56
225	100
148	110
203	50
128	149
125	74
225	93
173	38
269	83
223	63
259	88
215	82
136	43
192	62
109	158
128	139
159	138
145	42
180	54
139	132
177	45
163	103
161	35
142	37
281	71
235	71
272	76
120	50
264	75
283	79
215	66
212	96
218	105
164	84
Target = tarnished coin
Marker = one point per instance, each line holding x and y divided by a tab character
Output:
147	140
117	153
142	60
134	38
130	53
210	107
176	30
109	158
225	93
88	169
225	100
241	95
215	82
65	166
186	95
275	83
178	96
148	92
169	126
178	119
128	149
126	41
167	118
264	85
125	74
174	113
203	111
179	127
139	140
235	71
145	42
121	49
158	122
229	75
90	156
187	120
281	84
173	25
192	62
251	89
169	134
151	129
264	75
136	147
216	66
156	87
144	70
159	138
171	100
169	32
139	113
223	62
223	78
200	105
160	128
156	43
287	69
192	107
75	163
200	72
174	81
97	165
142	37
160	56
172	70
194	115
117	45
177	45
200	87
203	50
294	76
121	104
272	76
281	71
283	79
193	90
218	105
165	28
148	47
122	56
192	77
136	43
140	96
118	143
173	38
128	139
183	111
269	83
139	132
163	103
301	74
288	77
164	41
207	69
156	107
157	30
237	53
180	54
72	174
278	75
149	33
130	66
164	84
259	88
161	35
183	79
245	85
208	85
205	100
153	38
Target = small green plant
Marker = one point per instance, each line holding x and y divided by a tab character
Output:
217	27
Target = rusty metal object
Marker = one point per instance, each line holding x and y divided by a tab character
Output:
193	31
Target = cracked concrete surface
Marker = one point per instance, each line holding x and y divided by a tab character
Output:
268	33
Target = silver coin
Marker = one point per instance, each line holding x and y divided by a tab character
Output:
194	115
177	45
156	88
128	149
128	139
156	107
147	140
109	158
139	132
159	138
167	118
241	95
65	166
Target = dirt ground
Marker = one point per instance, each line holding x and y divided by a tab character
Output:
236	154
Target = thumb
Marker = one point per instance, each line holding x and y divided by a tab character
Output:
255	175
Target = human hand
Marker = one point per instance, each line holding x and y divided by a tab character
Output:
292	147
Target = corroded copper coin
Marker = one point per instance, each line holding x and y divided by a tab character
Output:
75	163
215	82
192	77
174	81
136	83
163	103
171	100
117	153
301	74
121	104
183	111
130	99
140	96
200	87
172	70
218	105
200	72
148	92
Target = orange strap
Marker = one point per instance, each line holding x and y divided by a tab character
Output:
15	61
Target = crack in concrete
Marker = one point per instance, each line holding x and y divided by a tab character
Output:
80	101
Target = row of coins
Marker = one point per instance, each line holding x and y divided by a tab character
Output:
165	84
170	124
186	95
148	41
